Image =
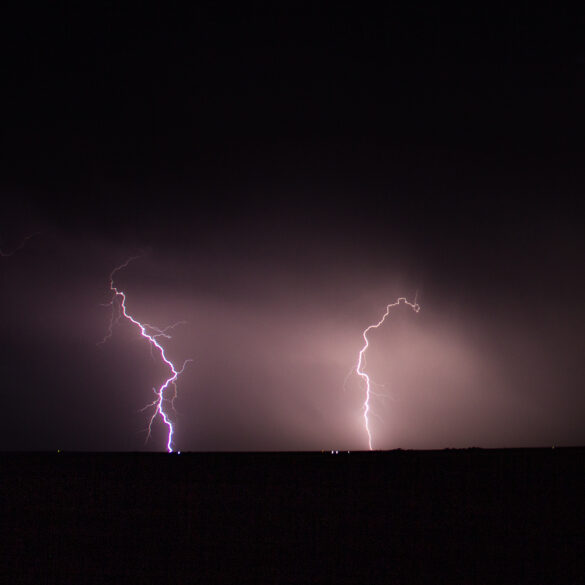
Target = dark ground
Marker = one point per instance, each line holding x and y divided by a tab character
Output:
454	516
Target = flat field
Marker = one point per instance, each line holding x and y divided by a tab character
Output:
453	516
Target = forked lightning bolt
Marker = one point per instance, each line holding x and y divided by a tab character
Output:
362	361
166	394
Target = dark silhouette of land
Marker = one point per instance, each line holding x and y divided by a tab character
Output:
452	516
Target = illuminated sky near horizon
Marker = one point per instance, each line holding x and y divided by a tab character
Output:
273	337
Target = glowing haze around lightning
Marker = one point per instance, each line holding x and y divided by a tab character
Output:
362	361
152	334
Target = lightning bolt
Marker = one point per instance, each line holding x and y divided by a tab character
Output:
362	360
6	254
167	392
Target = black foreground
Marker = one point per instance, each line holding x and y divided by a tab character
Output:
455	516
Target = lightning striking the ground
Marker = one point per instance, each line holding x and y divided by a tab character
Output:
167	392
362	361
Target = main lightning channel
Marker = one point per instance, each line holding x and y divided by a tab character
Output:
362	361
151	334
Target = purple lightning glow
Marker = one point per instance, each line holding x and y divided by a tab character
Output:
362	360
151	334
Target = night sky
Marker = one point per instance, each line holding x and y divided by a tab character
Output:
284	171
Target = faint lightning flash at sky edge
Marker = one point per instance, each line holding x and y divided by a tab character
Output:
5	254
151	334
362	360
